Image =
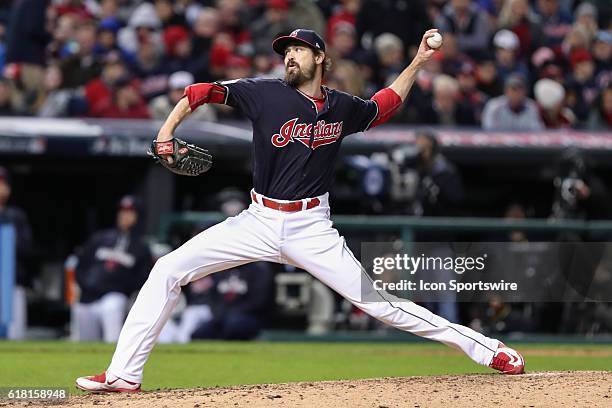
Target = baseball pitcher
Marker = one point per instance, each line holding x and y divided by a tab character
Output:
298	126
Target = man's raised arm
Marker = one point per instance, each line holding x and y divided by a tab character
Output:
181	111
194	96
391	98
405	80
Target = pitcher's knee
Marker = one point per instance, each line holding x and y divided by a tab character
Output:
166	269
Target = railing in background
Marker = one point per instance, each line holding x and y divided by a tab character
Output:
406	226
7	275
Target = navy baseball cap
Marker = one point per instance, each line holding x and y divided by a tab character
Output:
301	35
129	202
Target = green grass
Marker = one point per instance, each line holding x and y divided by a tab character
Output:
208	364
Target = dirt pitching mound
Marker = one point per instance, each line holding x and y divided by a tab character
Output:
543	389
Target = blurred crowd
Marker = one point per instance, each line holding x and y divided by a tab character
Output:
504	65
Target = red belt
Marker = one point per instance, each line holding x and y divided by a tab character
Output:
291	206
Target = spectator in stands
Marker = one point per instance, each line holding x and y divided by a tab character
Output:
98	92
167	14
267	65
513	110
6	107
344	12
343	41
550	97
161	106
487	77
601	112
236	22
367	63
421	94
555	22
602	54
586	18
506	52
581	86
26	41
161	37
306	13
57	99
142	28
469	95
205	28
576	39
274	20
491	7
23	240
107	38
112	265
80	9
445	109
223	47
541	61
178	52
4	12
125	102
241	301
517	17
63	29
238	67
452	59
345	77
469	23
82	65
150	70
390	52
405	19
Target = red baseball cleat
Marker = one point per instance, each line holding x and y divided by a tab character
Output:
106	382
507	360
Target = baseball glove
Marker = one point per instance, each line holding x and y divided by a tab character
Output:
187	159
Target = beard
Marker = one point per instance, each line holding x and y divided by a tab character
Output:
296	76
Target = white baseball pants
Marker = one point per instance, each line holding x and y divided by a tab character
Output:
305	239
19	320
101	319
191	318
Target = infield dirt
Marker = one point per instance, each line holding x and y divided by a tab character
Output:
540	389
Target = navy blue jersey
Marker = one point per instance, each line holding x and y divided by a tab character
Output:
112	261
295	146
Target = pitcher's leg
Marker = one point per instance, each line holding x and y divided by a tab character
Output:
329	259
234	242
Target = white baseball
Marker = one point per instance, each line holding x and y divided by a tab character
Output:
435	41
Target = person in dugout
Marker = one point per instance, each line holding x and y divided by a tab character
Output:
112	265
16	217
240	302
